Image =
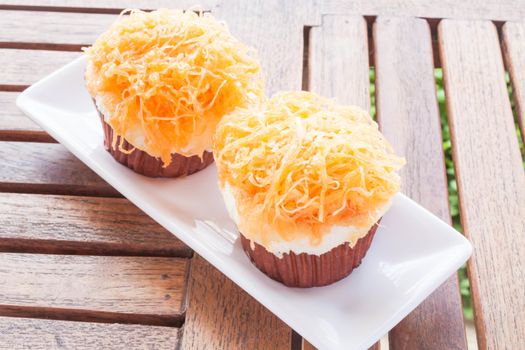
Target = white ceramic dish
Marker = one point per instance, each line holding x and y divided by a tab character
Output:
412	253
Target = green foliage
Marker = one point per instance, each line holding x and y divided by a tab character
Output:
447	149
464	289
515	113
464	285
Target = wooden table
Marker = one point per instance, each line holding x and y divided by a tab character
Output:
81	267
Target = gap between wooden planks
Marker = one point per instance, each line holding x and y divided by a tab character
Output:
497	10
514	49
15	125
103	6
500	10
93	288
82	225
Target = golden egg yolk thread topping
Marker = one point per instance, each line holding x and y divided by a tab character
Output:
168	76
299	164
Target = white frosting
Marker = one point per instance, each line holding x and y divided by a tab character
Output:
337	235
133	135
229	200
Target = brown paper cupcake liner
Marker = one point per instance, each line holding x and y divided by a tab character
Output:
308	270
142	163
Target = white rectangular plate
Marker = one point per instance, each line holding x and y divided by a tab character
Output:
412	254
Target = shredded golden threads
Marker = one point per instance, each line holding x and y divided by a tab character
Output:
170	76
300	160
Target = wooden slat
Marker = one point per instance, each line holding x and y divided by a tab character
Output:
514	40
499	10
26	333
48	168
14	125
339	60
81	225
408	114
221	316
93	288
275	29
338	64
305	345
58	30
491	180
21	68
111	6
506	10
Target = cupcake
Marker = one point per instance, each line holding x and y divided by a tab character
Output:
161	81
307	182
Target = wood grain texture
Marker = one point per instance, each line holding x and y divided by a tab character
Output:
499	10
21	68
14	125
58	30
221	316
514	45
102	6
93	288
26	333
491	180
48	168
305	345
408	114
339	60
275	29
82	225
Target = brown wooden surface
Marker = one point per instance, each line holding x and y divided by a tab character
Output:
305	345
39	36
275	29
14	125
408	114
113	6
93	288
499	10
52	30
82	225
222	316
21	68
339	60
514	44
491	180
47	168
27	333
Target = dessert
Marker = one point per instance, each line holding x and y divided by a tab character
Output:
161	81
307	182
